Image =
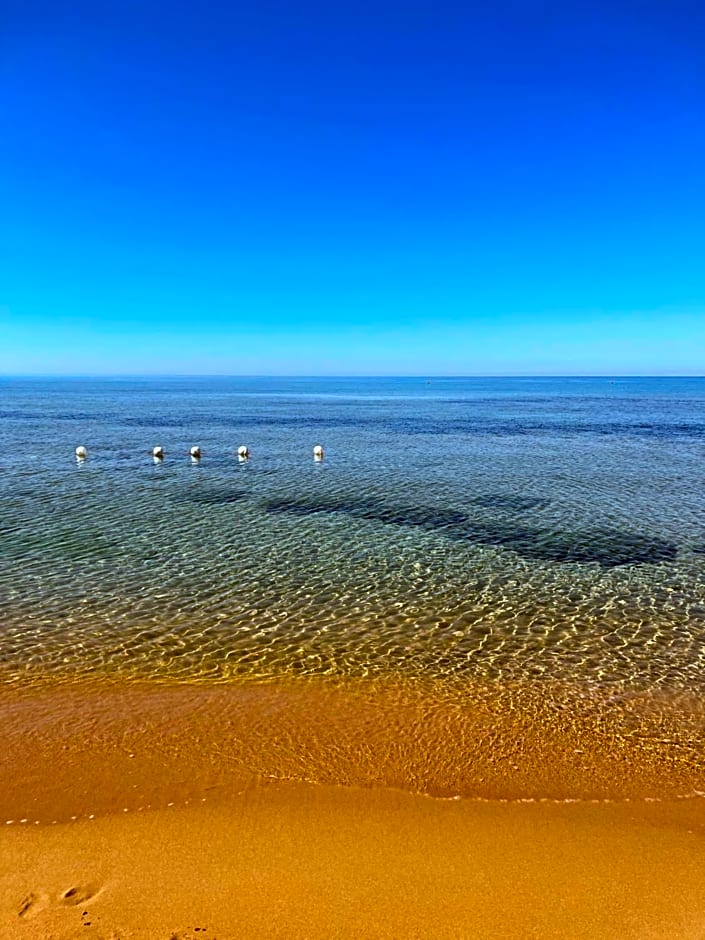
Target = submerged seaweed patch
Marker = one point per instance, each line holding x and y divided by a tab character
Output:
509	502
606	547
216	497
430	517
609	548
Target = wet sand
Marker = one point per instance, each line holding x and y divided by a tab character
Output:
307	809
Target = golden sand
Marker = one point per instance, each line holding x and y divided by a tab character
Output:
349	810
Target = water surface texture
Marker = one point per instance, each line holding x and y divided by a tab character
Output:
480	528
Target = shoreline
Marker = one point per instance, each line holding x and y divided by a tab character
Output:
349	808
86	748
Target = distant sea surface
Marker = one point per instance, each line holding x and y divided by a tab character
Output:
492	529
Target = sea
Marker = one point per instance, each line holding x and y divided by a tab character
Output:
494	529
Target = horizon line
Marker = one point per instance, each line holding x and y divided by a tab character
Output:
350	375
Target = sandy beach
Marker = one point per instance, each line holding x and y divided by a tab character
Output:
312	809
294	860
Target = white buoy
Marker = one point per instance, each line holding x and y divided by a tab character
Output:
243	452
318	452
158	453
81	453
195	453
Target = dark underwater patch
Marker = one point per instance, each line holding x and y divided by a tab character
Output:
299	507
19	415
375	511
509	502
515	428
215	497
608	548
426	517
195	420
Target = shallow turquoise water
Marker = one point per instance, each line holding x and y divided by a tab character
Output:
456	527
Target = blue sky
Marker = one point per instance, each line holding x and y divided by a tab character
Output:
352	188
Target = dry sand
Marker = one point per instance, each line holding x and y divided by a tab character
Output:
298	810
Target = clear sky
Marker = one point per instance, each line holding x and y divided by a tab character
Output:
343	187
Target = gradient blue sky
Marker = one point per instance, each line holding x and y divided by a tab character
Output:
352	188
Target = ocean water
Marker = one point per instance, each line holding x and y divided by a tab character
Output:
486	529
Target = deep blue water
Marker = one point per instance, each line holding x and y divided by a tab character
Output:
481	527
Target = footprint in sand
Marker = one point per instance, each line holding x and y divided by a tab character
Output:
32	904
78	894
